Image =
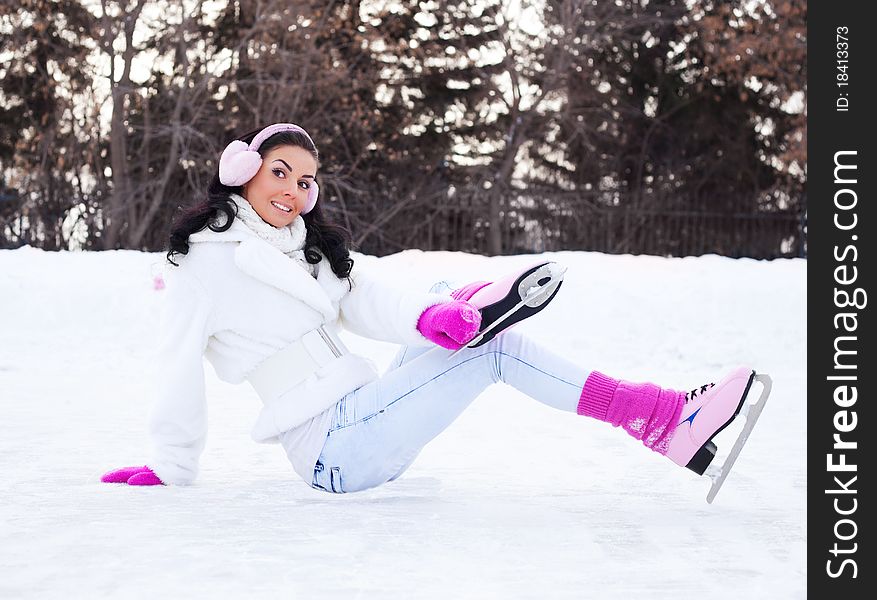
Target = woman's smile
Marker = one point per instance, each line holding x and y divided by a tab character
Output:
281	206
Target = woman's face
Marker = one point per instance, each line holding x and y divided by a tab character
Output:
283	181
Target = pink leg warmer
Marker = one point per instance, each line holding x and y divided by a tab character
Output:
645	411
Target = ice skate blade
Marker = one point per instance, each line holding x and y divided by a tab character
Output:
751	411
531	294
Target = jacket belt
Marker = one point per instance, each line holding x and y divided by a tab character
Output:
293	364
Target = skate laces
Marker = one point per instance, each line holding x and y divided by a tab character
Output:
691	395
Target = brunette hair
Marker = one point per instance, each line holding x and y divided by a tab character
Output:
333	240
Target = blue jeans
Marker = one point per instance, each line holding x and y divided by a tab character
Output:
379	429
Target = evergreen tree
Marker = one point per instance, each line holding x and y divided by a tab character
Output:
44	44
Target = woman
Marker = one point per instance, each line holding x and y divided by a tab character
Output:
263	282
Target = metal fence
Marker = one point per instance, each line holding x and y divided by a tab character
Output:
690	233
625	231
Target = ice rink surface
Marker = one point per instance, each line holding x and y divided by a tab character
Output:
514	500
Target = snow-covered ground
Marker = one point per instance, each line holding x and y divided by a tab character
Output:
544	505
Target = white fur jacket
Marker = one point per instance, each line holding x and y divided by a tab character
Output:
236	300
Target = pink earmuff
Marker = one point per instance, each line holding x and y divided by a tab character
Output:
240	161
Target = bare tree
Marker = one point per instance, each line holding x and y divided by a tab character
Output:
621	126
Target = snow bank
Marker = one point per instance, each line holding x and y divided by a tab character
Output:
515	500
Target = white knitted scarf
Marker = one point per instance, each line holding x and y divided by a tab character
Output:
290	239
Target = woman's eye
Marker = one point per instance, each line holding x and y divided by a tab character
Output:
306	184
280	171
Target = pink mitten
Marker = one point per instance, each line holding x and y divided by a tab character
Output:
132	476
450	325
